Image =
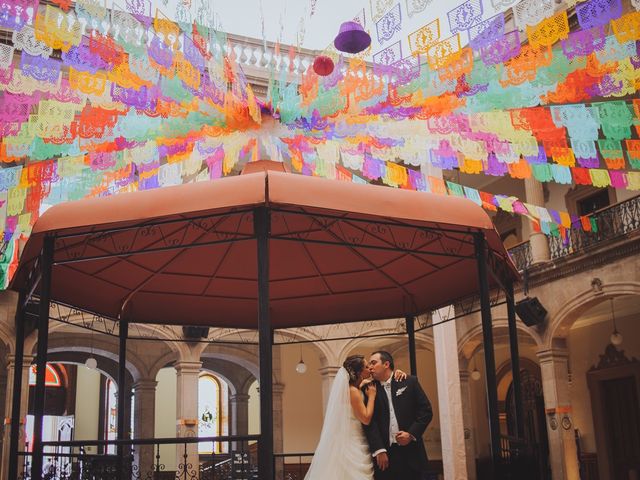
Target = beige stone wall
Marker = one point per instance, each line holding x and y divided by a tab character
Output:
165	422
302	399
586	344
254	409
87	404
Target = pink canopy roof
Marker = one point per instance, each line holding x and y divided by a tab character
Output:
339	252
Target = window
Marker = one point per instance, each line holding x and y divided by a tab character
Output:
585	199
209	411
593	202
51	377
111	416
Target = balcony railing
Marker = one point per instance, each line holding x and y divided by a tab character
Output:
521	255
612	222
147	459
292	466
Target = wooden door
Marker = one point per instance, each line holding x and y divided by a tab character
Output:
622	422
614	385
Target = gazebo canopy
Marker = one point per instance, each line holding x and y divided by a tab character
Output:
339	252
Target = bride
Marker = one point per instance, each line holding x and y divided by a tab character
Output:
343	452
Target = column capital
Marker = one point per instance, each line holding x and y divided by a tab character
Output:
464	375
240	397
278	388
329	371
552	354
185	367
27	360
145	384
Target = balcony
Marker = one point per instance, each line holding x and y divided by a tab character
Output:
614	222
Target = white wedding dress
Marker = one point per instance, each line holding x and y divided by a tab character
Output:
343	451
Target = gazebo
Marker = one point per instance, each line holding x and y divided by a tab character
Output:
264	250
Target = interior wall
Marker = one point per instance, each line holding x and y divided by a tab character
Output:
254	409
586	344
557	194
622	194
302	399
87	405
165	415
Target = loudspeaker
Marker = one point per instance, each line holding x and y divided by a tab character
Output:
195	333
531	311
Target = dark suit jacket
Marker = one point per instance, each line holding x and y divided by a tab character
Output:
413	412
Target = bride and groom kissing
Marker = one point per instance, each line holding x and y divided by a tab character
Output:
373	426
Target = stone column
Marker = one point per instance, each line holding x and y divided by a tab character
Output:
239	404
144	404
327	374
26	366
278	426
239	413
188	373
538	241
467	417
4	442
557	402
450	401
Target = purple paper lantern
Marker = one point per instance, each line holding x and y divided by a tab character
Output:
352	38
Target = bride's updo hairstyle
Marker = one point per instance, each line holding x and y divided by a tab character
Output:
354	365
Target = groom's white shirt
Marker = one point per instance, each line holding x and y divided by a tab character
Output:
393	421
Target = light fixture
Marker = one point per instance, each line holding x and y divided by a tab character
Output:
616	337
91	362
475	373
301	367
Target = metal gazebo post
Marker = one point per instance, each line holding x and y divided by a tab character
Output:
261	222
489	357
515	359
123	333
41	362
411	333
17	388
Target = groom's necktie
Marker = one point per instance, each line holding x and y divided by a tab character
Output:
393	421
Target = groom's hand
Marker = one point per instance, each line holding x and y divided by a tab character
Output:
403	438
382	459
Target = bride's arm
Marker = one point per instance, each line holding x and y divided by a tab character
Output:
363	412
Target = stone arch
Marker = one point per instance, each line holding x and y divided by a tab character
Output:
393	343
249	381
7	337
471	341
243	357
503	374
161	362
225	377
571	310
102	347
313	341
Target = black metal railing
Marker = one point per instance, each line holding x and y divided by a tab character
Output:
519	459
609	223
147	459
521	255
292	466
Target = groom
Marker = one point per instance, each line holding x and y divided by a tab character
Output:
401	414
